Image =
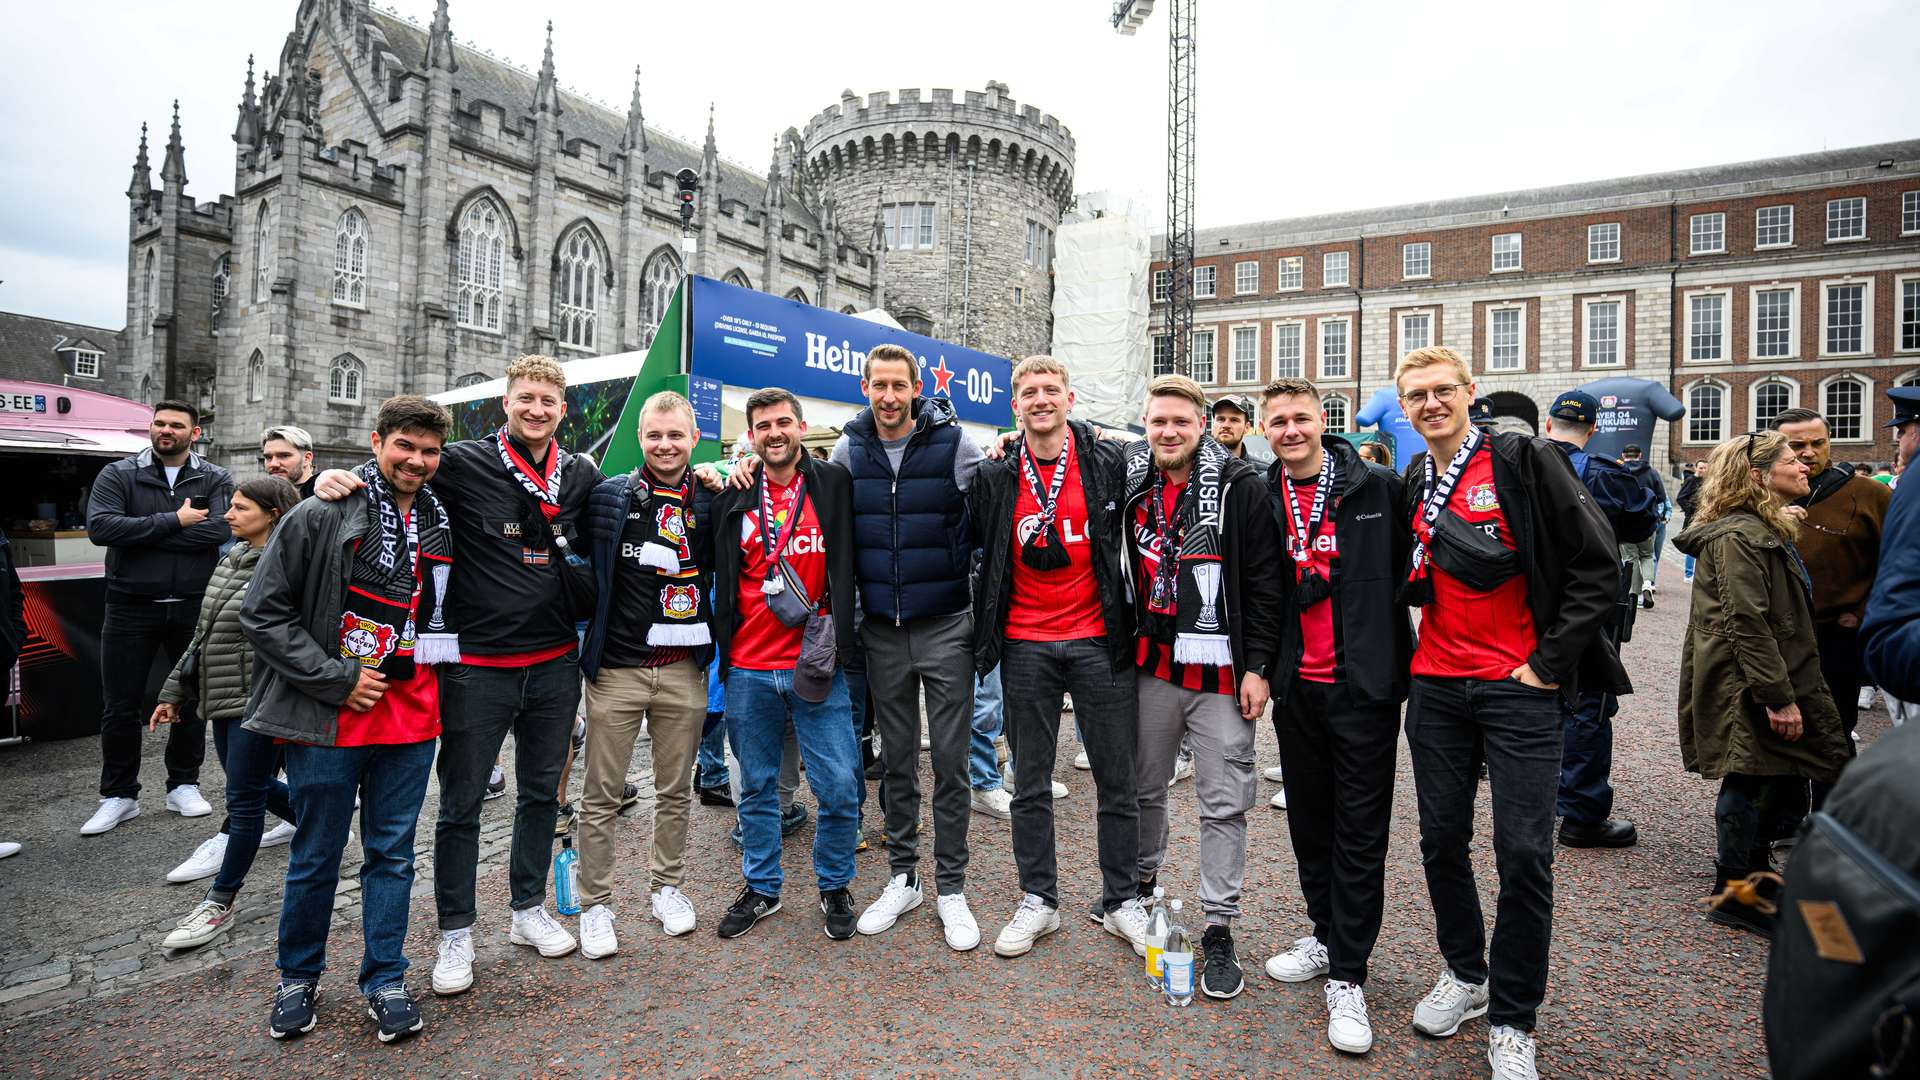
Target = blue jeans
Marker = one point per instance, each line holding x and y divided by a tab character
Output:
983	767
391	782
710	767
1586	759
250	760
759	704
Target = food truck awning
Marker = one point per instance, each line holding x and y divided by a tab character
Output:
111	444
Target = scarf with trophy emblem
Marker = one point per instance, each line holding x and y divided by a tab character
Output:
395	615
667	560
1186	596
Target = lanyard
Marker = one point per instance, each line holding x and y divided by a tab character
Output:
1049	501
773	537
1434	495
1305	532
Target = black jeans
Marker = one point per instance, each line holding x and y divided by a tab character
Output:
1844	669
130	636
1586	760
1452	726
1339	759
1034	676
478	706
1751	811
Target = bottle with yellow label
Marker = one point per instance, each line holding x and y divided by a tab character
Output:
1156	937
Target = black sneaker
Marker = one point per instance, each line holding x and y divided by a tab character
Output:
564	821
838	906
1222	978
714	796
293	1008
496	785
1611	833
393	1009
793	820
629	799
749	909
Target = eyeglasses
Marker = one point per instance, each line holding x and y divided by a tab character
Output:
1441	394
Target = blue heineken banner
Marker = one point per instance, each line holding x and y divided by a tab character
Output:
746	338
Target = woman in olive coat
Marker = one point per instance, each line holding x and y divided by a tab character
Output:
1755	713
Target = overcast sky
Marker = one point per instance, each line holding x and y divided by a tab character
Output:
1303	107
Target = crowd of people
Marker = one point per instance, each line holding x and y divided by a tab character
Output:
359	628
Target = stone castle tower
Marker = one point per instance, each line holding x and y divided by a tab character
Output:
963	193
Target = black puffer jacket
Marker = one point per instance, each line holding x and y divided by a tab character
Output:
991	498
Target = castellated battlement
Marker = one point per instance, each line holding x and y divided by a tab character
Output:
989	126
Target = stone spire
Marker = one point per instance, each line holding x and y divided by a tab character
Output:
546	95
710	154
141	185
636	136
440	40
246	131
776	188
174	169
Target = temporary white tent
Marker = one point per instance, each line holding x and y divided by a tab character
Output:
1100	313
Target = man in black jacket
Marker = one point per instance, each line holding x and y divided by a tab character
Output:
1343	673
161	515
518	586
1050	611
788	536
1202	544
1514	570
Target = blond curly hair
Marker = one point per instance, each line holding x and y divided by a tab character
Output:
1732	485
538	368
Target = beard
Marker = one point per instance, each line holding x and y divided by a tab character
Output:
1167	461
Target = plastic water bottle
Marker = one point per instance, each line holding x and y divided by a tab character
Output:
566	878
1156	937
1177	961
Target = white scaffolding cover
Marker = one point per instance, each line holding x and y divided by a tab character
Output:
1100	314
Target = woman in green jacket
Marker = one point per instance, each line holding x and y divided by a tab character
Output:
1755	713
216	671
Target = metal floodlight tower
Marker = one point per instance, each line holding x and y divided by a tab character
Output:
1128	15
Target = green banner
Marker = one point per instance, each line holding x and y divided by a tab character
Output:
663	369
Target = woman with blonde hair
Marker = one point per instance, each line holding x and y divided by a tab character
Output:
1755	713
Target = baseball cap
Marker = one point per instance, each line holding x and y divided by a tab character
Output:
1575	405
1481	412
1239	403
1906	405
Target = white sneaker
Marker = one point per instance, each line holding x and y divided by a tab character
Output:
596	930
1032	920
1182	769
1279	800
898	898
453	969
203	863
9	847
672	908
1059	790
111	812
208	920
1129	922
1272	773
186	801
1081	762
1347	1025
1449	1004
996	803
962	932
538	929
279	834
1510	1052
1305	959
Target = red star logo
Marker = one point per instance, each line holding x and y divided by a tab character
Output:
941	377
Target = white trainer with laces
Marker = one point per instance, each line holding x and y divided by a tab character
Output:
1348	1028
203	863
1510	1053
536	928
902	894
112	812
1059	790
1273	773
1279	800
1305	959
996	803
673	909
1081	761
208	920
453	968
1129	923
956	918
1032	920
1182	769
187	801
9	847
279	834
1449	1004
596	930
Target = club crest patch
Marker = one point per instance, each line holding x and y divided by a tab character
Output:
671	522
1481	499
679	602
367	641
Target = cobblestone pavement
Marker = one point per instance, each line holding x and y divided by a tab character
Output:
1640	986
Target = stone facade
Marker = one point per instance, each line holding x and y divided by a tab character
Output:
410	213
1639	249
987	179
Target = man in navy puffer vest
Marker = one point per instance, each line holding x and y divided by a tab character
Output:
913	547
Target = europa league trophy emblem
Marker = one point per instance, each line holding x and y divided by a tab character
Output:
1206	578
438	623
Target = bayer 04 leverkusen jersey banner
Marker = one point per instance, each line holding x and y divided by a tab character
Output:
746	338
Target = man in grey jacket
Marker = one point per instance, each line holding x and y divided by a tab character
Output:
345	611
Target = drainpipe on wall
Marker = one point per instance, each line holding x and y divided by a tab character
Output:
1674	324
966	268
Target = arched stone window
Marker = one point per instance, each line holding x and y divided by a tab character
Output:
222	283
471	378
578	287
797	295
657	283
1706	413
481	270
262	253
344	379
1338	409
149	291
738	277
350	260
256	377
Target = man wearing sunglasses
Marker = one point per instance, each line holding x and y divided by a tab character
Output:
1514	570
